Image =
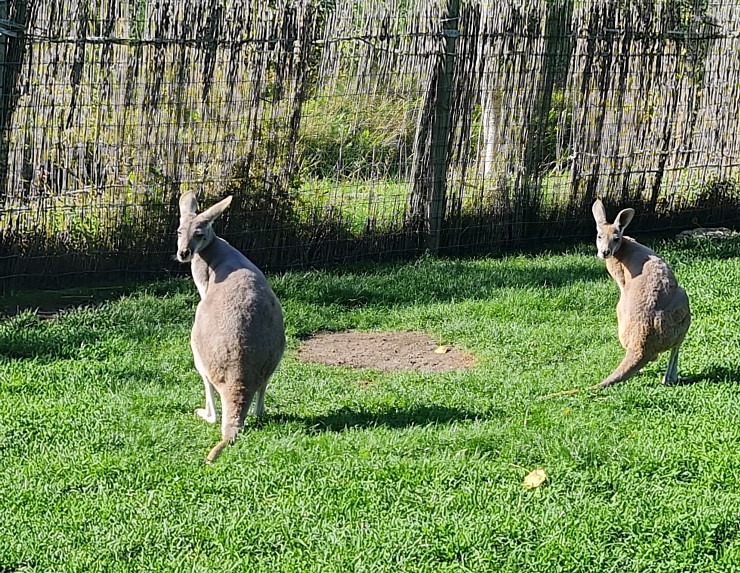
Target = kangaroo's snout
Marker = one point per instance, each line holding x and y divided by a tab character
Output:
184	255
605	253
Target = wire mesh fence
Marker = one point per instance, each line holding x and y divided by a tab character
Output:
349	130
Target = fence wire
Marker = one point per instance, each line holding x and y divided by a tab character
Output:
355	130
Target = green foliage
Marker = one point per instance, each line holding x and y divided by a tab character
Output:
554	132
263	200
687	14
719	194
368	471
138	11
357	135
356	207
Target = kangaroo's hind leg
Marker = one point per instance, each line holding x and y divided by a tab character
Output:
671	373
259	401
209	412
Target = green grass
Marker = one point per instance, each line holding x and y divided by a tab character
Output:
102	460
356	204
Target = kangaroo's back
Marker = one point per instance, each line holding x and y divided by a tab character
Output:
239	318
646	281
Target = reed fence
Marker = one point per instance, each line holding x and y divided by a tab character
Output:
351	130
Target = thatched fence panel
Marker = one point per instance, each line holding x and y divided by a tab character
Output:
351	130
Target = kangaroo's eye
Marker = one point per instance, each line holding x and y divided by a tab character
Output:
199	234
599	236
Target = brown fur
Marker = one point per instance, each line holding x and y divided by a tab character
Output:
653	311
238	336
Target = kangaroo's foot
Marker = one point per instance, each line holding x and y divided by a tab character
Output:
208	416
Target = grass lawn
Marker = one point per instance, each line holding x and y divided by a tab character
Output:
102	460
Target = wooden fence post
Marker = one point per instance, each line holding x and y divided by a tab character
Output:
440	150
432	145
4	37
11	53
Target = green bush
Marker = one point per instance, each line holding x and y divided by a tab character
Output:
357	135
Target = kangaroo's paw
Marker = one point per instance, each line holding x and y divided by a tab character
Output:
678	380
209	417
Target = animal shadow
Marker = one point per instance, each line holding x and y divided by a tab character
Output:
396	418
715	374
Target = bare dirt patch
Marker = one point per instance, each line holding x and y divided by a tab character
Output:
387	351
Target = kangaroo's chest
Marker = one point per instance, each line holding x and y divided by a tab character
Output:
200	272
620	275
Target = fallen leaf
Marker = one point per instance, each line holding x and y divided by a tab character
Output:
441	350
535	478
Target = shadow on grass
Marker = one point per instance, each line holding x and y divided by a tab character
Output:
50	304
693	249
347	418
44	324
441	280
13	567
27	336
434	281
714	374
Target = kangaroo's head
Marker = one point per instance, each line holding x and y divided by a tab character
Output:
195	232
609	235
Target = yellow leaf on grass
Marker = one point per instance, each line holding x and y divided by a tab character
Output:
535	478
441	350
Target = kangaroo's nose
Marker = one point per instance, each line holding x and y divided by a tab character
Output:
606	252
184	254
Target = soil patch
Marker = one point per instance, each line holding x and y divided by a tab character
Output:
384	351
711	233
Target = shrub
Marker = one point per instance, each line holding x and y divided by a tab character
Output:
358	136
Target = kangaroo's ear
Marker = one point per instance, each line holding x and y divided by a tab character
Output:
623	218
599	212
188	204
213	213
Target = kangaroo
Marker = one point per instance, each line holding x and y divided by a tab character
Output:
653	311
238	337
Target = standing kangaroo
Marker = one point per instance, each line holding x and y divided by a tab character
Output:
238	336
653	311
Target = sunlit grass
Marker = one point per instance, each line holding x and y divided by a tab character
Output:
102	458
